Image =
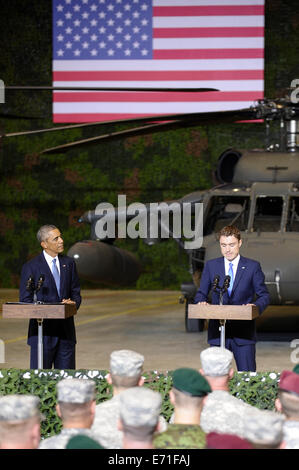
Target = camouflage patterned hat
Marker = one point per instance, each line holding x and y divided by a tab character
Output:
191	382
75	390
263	427
140	406
126	363
19	407
216	361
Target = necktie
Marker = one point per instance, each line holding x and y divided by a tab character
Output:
56	275
231	274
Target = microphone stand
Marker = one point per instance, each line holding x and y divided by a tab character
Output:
40	345
222	322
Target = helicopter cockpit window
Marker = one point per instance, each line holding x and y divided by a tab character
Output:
226	210
293	215
267	216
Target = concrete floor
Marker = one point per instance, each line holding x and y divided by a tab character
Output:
152	323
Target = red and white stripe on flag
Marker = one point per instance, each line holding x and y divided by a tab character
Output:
193	44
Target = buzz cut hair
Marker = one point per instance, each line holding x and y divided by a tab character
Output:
230	231
43	232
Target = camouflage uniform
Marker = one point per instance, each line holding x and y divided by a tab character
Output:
61	440
124	363
71	391
291	434
263	428
181	436
224	413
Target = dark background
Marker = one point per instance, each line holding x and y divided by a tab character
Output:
58	188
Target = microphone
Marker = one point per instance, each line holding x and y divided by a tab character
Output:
226	282
30	284
40	282
216	282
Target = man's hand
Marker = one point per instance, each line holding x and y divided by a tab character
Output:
202	303
68	301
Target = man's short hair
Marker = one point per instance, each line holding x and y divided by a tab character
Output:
125	382
186	401
43	232
230	231
70	411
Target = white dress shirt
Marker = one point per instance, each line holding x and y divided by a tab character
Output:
49	260
235	263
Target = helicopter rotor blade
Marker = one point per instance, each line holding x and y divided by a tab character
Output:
201	118
150	128
206	117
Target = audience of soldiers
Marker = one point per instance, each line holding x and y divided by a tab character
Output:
206	415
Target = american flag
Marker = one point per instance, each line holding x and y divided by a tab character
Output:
155	44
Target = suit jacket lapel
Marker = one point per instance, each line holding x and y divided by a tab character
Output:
62	273
240	271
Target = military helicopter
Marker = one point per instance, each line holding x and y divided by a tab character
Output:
257	190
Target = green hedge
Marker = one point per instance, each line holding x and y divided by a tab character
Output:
257	389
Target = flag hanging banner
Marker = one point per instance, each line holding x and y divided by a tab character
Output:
155	44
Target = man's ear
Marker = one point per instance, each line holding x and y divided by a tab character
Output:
141	381
231	373
120	426
58	411
171	397
278	405
109	378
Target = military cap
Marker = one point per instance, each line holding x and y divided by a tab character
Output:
216	440
19	407
126	363
75	390
191	382
140	406
83	442
216	361
289	382
263	427
296	369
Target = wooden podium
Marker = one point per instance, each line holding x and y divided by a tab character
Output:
223	313
38	312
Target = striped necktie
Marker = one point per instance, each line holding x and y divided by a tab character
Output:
231	274
56	275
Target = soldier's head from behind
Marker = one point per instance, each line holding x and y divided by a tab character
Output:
187	394
76	402
287	401
140	409
125	370
216	366
264	429
19	422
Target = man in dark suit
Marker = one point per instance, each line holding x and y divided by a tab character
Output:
247	287
61	284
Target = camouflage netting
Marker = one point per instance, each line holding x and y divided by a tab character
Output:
257	389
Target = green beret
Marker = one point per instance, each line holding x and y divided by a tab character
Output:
80	441
296	369
191	382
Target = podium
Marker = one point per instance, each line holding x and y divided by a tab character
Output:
223	313
38	311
